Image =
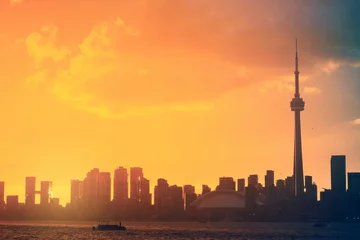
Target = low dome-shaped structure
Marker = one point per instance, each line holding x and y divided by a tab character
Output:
220	199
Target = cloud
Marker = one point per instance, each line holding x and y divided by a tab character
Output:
313	90
356	121
187	53
109	74
16	1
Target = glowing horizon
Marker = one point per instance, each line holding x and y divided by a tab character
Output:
189	91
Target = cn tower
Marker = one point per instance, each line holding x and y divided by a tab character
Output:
297	105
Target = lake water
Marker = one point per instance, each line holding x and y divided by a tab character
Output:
177	231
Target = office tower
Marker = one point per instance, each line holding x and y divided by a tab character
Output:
2	193
289	183
145	195
269	178
30	190
280	183
189	194
12	201
121	185
354	182
55	202
311	189
253	180
45	192
226	183
189	189
241	185
136	174
176	199
161	193
75	192
297	105
90	188
104	188
205	189
338	174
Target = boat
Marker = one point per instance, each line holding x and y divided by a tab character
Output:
106	226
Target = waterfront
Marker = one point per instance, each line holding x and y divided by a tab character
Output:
177	231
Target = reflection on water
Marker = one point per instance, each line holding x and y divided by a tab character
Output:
176	231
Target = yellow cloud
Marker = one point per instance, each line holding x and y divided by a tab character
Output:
356	121
98	63
15	1
313	90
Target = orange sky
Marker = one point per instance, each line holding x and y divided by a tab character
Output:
190	91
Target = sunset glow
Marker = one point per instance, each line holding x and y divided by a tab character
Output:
187	90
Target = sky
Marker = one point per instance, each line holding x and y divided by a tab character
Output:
188	90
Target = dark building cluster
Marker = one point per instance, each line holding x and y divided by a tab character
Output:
236	200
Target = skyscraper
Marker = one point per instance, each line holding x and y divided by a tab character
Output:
297	105
353	182
45	192
2	193
30	190
75	193
269	178
338	174
145	195
241	185
253	180
104	188
226	183
121	185
136	174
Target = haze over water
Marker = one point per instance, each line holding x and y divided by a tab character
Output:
176	231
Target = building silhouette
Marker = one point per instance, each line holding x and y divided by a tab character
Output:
30	191
297	105
226	183
338	174
241	185
269	178
136	174
45	192
205	189
2	193
104	190
121	185
75	192
253	180
354	182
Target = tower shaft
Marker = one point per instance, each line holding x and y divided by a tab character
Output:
297	105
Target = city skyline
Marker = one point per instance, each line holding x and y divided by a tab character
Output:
128	85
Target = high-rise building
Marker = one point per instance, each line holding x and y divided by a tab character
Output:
253	180
176	199
161	193
354	182
104	188
12	201
241	185
297	105
45	192
269	178
145	195
226	183
205	189
189	189
338	174
121	185
189	194
136	174
90	194
30	190
75	192
2	193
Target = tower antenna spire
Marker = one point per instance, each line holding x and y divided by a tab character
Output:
297	93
